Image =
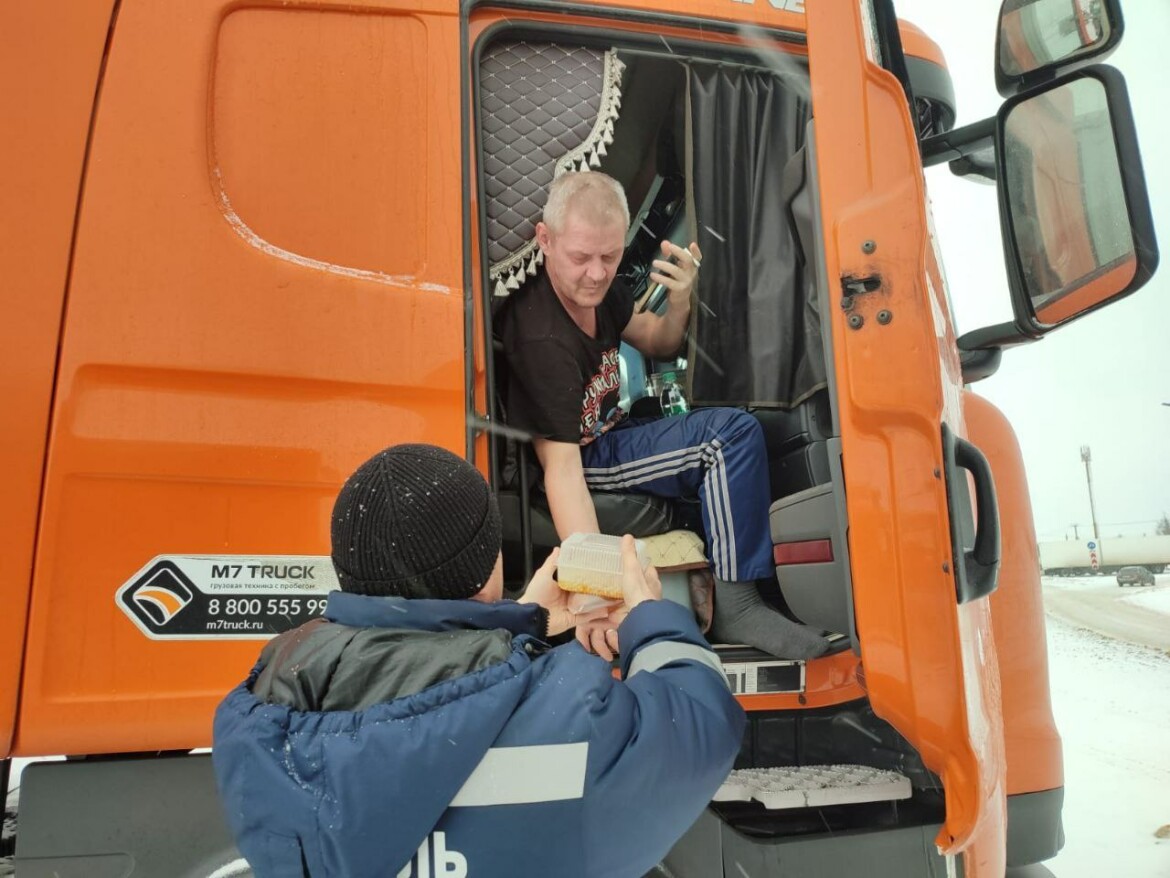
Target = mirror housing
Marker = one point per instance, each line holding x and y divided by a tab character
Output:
1039	39
1074	212
1077	228
930	81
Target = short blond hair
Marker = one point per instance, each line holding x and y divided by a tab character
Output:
596	197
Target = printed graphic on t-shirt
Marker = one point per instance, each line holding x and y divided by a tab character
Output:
601	387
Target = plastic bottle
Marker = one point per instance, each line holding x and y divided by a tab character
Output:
672	399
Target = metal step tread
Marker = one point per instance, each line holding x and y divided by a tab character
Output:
813	786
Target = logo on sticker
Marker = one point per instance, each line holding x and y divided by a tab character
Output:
195	597
161	594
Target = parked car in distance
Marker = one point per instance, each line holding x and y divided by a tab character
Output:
1134	576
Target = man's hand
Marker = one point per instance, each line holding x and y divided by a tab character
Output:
544	591
661	337
599	636
677	270
637	584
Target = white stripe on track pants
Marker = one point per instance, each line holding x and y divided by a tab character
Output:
717	454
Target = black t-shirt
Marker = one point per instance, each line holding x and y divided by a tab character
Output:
562	384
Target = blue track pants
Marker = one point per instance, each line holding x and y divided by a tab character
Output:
717	454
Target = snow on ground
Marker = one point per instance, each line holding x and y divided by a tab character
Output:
1111	700
1072	582
1156	598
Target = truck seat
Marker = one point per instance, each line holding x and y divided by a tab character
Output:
798	454
637	514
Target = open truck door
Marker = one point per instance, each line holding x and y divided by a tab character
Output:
922	511
921	616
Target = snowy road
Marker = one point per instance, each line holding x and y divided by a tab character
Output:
1098	603
1112	704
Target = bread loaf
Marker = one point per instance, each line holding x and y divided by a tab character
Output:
601	585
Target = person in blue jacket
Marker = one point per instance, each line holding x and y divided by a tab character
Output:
424	727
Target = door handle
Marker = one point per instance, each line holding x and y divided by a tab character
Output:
976	569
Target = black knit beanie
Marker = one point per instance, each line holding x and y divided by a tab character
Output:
417	522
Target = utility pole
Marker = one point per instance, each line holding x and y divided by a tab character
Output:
1087	457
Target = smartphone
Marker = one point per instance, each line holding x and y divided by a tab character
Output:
657	294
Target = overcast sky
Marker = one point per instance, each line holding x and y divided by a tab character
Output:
1100	381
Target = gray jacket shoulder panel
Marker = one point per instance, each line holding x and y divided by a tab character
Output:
325	666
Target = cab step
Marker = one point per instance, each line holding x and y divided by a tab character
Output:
813	786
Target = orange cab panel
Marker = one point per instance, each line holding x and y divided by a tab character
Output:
265	291
1031	740
50	58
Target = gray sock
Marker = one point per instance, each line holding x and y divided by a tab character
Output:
742	616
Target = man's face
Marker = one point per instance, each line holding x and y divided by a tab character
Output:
581	259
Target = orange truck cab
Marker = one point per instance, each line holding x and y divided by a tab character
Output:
247	245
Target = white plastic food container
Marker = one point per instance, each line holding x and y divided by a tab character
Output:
590	565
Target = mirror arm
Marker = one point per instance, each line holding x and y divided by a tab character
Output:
1000	335
968	168
979	364
958	142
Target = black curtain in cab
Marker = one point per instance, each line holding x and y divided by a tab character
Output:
756	332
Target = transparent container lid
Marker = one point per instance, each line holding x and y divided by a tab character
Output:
592	564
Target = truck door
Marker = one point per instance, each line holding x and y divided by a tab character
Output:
925	639
265	290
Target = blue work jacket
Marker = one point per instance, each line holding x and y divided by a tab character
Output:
502	757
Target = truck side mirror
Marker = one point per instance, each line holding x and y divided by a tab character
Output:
1076	220
1039	39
